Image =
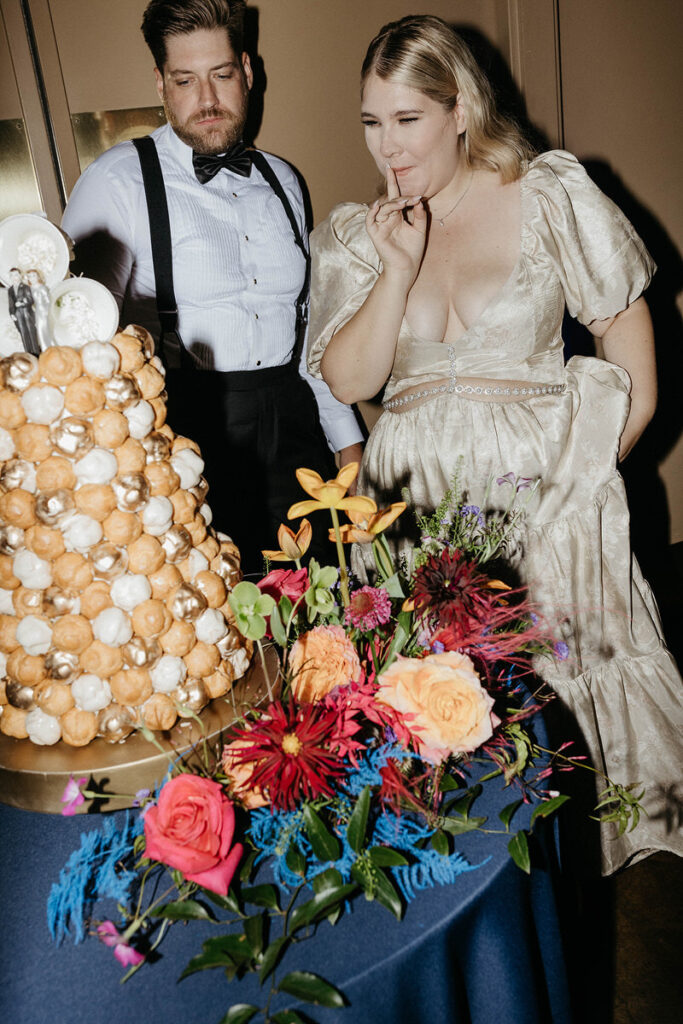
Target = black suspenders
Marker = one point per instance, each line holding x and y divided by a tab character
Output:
160	233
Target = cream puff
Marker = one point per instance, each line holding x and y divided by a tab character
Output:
112	626
131	686
178	640
42	403
58	602
101	660
159	712
130	456
84	397
122	528
145	555
120	391
13	722
72	571
78	727
7	578
150	618
162	478
18	507
184	506
160	407
55	473
26	602
42	729
60	365
212	587
100	359
55	698
164	580
150	381
90	692
31	571
202	660
168	673
95	500
33	442
27	669
72	633
110	428
220	681
95	598
130	350
34	633
12	413
115	723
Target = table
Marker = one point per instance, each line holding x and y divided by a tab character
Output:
485	950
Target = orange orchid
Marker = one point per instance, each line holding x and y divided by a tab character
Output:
292	546
363	529
330	493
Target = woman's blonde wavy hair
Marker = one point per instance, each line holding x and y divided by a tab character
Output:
424	53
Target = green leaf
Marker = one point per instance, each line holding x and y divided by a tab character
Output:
285	607
508	812
549	806
448	783
325	845
386	857
440	843
288	1017
464	803
518	848
295	860
393	587
262	895
253	929
387	894
272	955
311	988
277	628
330	879
358	822
398	642
205	962
235	947
317	907
229	902
457	826
247	865
240	1013
184	910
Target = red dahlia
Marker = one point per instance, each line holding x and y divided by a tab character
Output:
452	592
292	750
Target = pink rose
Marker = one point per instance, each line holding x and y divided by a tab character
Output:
191	829
293	583
447	709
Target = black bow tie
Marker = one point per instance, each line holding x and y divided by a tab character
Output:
237	159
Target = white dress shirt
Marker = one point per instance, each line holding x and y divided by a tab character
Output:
237	270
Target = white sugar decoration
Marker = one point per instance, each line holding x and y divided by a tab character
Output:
100	359
97	467
91	693
168	673
75	319
189	467
140	418
42	404
130	590
206	513
33	572
34	634
6	603
37	251
113	627
210	627
7	448
81	532
157	516
198	562
42	729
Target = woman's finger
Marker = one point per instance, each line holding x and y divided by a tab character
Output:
393	191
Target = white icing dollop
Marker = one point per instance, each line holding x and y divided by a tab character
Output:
100	359
97	467
157	516
7	447
81	532
206	513
189	467
130	590
168	673
140	418
210	627
113	627
6	603
42	404
34	634
34	572
91	693
42	729
197	562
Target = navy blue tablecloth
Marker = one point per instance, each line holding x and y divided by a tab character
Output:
484	950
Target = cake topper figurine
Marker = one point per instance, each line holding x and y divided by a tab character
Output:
22	310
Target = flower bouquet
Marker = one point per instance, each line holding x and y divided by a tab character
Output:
397	702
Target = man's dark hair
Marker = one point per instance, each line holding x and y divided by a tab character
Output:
163	18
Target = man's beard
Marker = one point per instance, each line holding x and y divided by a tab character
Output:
209	141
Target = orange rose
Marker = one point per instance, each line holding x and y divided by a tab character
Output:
320	660
450	709
239	773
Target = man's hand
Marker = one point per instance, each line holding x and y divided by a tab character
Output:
352	453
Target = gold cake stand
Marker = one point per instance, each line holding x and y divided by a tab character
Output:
33	778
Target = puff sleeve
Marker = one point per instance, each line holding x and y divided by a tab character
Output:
344	267
601	262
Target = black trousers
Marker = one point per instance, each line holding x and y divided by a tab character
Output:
255	429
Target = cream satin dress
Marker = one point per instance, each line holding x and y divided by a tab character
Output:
619	683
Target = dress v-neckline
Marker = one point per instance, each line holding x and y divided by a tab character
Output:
494	300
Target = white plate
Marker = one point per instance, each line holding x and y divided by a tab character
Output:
30	242
82	310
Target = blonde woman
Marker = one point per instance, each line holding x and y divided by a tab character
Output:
450	291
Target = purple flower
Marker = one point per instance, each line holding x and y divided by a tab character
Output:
72	796
109	934
561	650
509	478
140	797
438	647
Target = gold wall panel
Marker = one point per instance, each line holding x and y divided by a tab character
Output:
19	192
99	130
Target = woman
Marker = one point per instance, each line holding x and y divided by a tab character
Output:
451	290
41	305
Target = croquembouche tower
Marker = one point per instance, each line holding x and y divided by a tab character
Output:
113	586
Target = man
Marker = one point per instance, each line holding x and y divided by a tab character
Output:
238	272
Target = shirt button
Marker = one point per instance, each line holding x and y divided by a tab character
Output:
258	362
255	281
255	316
246	238
235	195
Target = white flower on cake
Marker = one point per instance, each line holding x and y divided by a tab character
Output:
34	634
33	572
42	404
168	673
91	693
130	590
42	729
37	251
97	467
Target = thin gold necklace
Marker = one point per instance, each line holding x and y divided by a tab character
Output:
458	201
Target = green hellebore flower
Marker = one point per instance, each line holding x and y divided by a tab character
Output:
318	597
250	607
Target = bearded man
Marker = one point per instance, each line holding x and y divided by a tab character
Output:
203	242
